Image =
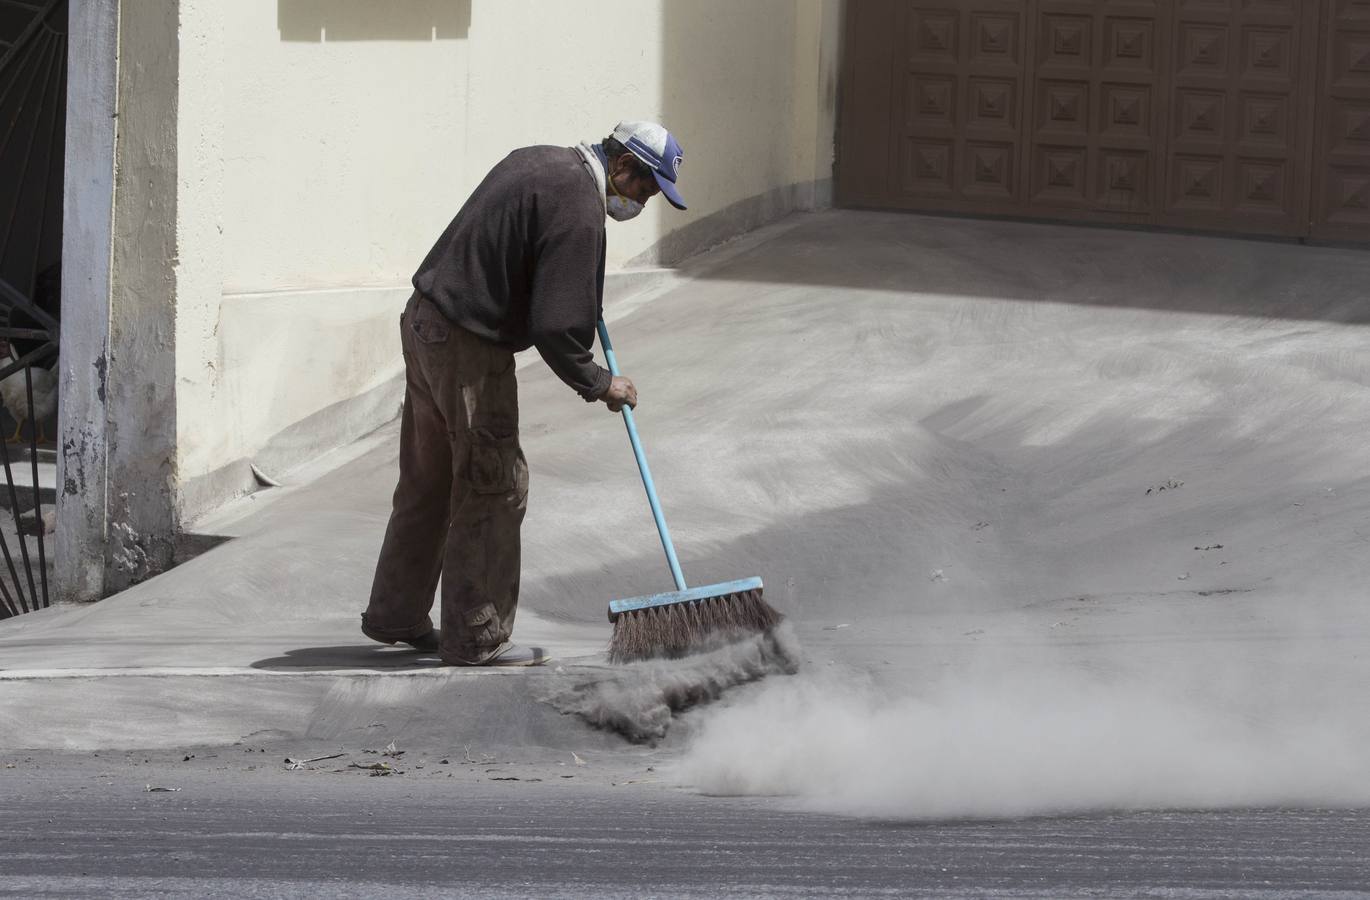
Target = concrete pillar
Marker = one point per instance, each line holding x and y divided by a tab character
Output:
88	213
117	518
141	385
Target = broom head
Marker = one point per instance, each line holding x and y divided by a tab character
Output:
678	623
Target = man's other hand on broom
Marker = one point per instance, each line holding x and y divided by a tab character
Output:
621	393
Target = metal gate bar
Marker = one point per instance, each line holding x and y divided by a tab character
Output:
33	56
14	599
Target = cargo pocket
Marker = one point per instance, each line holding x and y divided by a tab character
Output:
429	325
497	463
482	625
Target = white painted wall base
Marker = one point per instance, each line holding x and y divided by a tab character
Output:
344	345
296	374
739	218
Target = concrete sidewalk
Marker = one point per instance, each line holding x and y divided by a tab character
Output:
941	442
259	634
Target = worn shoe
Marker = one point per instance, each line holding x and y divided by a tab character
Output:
424	643
512	655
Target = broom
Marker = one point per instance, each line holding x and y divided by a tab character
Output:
685	620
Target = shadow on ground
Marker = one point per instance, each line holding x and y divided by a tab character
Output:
1065	264
379	659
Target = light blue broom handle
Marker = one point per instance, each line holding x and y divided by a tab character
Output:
642	467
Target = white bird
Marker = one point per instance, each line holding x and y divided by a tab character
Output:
15	394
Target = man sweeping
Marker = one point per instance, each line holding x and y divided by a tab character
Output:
521	265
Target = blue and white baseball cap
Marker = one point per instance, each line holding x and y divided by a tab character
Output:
653	144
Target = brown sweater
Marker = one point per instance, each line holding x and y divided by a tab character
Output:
522	264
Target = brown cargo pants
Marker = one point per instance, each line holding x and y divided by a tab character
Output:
462	493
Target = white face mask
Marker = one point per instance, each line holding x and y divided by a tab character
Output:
621	210
619	207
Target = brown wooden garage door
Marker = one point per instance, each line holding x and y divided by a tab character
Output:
1248	116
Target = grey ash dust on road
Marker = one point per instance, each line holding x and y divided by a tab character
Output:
239	821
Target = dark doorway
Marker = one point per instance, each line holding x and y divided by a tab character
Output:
33	98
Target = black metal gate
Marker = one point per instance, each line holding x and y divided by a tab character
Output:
29	391
33	70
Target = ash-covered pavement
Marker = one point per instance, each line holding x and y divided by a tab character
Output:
234	823
1065	520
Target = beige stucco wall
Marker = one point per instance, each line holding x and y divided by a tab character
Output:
325	143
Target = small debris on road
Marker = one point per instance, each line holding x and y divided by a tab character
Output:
151	789
378	768
485	758
292	764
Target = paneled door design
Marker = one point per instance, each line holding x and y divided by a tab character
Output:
1247	116
1341	197
958	105
1240	116
1097	97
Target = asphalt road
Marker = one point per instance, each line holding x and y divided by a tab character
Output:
89	828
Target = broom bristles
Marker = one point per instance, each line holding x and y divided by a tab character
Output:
690	626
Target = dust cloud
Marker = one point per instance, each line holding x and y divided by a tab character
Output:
985	743
640	700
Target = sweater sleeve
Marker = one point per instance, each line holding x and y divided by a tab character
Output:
568	269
